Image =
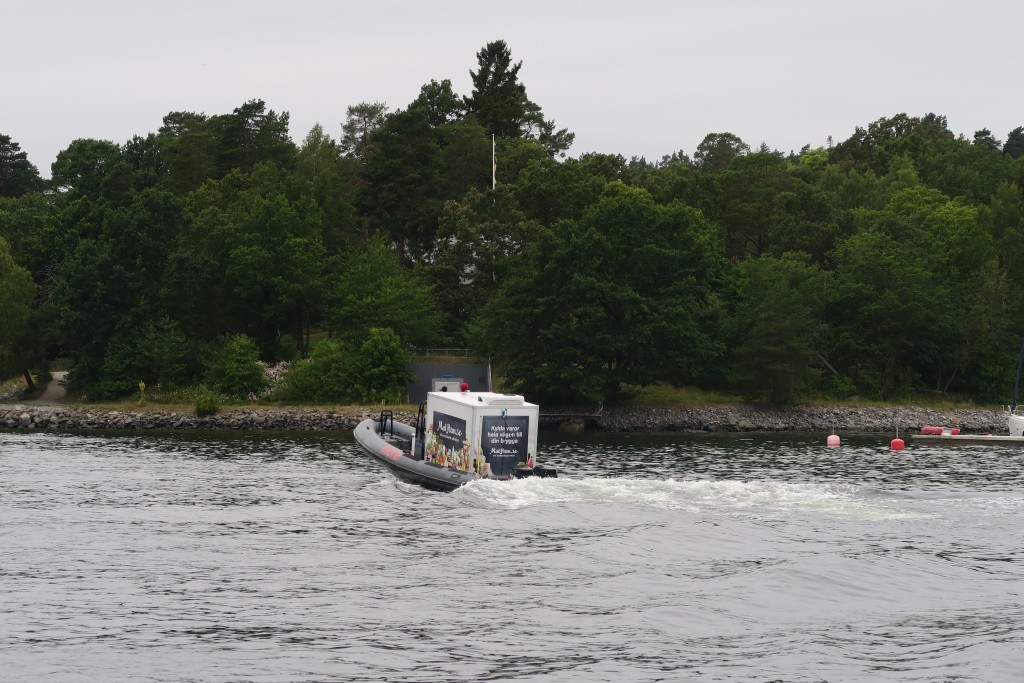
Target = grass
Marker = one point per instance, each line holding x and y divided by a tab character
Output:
654	395
12	385
664	394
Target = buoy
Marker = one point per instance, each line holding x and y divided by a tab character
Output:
955	431
832	441
897	443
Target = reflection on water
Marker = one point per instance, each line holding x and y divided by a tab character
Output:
287	557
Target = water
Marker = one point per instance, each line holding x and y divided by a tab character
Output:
183	557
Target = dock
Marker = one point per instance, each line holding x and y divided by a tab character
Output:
970	438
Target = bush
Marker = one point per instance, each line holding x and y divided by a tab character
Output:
207	402
324	377
236	370
381	367
336	373
841	386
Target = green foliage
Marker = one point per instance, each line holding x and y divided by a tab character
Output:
371	290
380	370
476	239
401	195
18	176
361	121
718	150
248	261
500	104
207	402
16	294
377	370
840	386
623	297
593	277
86	167
324	377
235	370
777	327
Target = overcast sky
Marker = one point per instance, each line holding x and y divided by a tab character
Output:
636	77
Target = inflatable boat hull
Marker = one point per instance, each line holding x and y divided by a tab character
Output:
394	450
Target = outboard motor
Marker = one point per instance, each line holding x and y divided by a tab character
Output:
545	471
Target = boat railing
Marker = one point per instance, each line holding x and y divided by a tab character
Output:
387	422
421	421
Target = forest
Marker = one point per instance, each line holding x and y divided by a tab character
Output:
195	259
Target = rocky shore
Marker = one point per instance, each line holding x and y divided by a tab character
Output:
712	418
751	418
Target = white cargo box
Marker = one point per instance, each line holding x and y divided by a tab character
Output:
480	431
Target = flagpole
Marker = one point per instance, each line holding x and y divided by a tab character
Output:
494	165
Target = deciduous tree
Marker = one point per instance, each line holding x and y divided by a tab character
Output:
17	292
622	298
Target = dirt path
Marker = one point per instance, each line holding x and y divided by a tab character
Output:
54	392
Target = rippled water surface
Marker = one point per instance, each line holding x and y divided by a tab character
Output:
290	557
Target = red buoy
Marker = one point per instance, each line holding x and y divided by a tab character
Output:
897	444
832	441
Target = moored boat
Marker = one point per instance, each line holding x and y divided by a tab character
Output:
458	437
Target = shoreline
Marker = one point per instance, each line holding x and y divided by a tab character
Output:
709	418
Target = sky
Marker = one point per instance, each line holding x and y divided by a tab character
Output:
638	78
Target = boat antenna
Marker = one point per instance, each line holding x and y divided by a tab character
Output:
1016	384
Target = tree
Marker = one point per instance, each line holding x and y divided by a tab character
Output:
145	157
18	175
357	130
371	289
984	138
500	104
235	370
476	238
109	284
888	312
380	371
249	260
622	298
1014	146
84	165
465	158
748	205
1003	220
251	135
776	326
440	102
332	183
17	292
402	181
717	150
861	147
498	99
549	191
188	141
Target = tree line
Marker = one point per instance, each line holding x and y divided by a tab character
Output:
882	266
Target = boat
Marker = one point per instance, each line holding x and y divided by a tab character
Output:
458	437
1015	421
